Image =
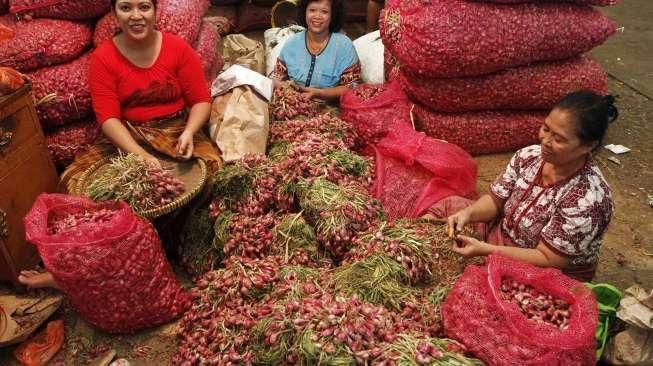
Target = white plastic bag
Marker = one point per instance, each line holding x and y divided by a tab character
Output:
370	53
274	39
633	346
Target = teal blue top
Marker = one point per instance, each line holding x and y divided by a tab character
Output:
324	70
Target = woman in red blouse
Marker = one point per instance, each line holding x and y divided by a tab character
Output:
552	204
149	93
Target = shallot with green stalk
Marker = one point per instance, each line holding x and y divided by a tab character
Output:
337	213
242	235
144	186
247	186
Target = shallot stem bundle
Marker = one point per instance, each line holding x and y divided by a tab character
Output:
142	185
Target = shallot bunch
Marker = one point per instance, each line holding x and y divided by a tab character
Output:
242	235
537	306
295	240
198	255
289	103
241	278
337	213
248	186
328	127
142	185
316	157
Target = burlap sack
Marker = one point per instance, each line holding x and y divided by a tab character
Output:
240	50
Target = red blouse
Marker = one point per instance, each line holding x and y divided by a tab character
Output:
120	89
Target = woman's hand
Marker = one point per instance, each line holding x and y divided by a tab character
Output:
185	145
470	247
457	222
311	93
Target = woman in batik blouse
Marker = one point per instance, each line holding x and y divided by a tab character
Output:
552	205
321	61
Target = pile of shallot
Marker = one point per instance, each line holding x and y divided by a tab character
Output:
537	306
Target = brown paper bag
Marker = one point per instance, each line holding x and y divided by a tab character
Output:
239	123
240	50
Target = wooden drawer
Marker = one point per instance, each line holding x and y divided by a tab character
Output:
18	123
26	170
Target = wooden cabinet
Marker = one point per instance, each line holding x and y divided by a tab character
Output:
26	170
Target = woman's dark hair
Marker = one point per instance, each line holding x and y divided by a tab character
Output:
592	113
113	3
337	14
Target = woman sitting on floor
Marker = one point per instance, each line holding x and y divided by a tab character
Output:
321	61
552	205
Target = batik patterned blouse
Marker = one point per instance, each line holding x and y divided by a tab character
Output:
569	216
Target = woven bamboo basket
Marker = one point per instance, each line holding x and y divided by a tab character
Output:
284	13
192	173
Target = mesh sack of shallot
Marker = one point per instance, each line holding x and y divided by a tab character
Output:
457	38
482	132
206	46
536	86
414	171
108	261
43	42
579	2
522	315
62	92
67	141
60	9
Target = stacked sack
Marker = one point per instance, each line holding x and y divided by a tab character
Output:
486	83
51	46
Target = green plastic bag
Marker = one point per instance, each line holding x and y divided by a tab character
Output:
608	298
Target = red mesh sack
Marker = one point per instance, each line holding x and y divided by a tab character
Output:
483	132
61	9
112	268
67	141
390	66
206	46
456	38
537	86
372	108
413	172
43	42
499	334
252	17
579	2
179	17
62	92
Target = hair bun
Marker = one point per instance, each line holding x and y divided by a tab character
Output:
613	112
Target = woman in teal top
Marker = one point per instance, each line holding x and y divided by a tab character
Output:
321	61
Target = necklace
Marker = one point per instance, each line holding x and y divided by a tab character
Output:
316	48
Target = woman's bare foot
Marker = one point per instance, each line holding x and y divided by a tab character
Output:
36	279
